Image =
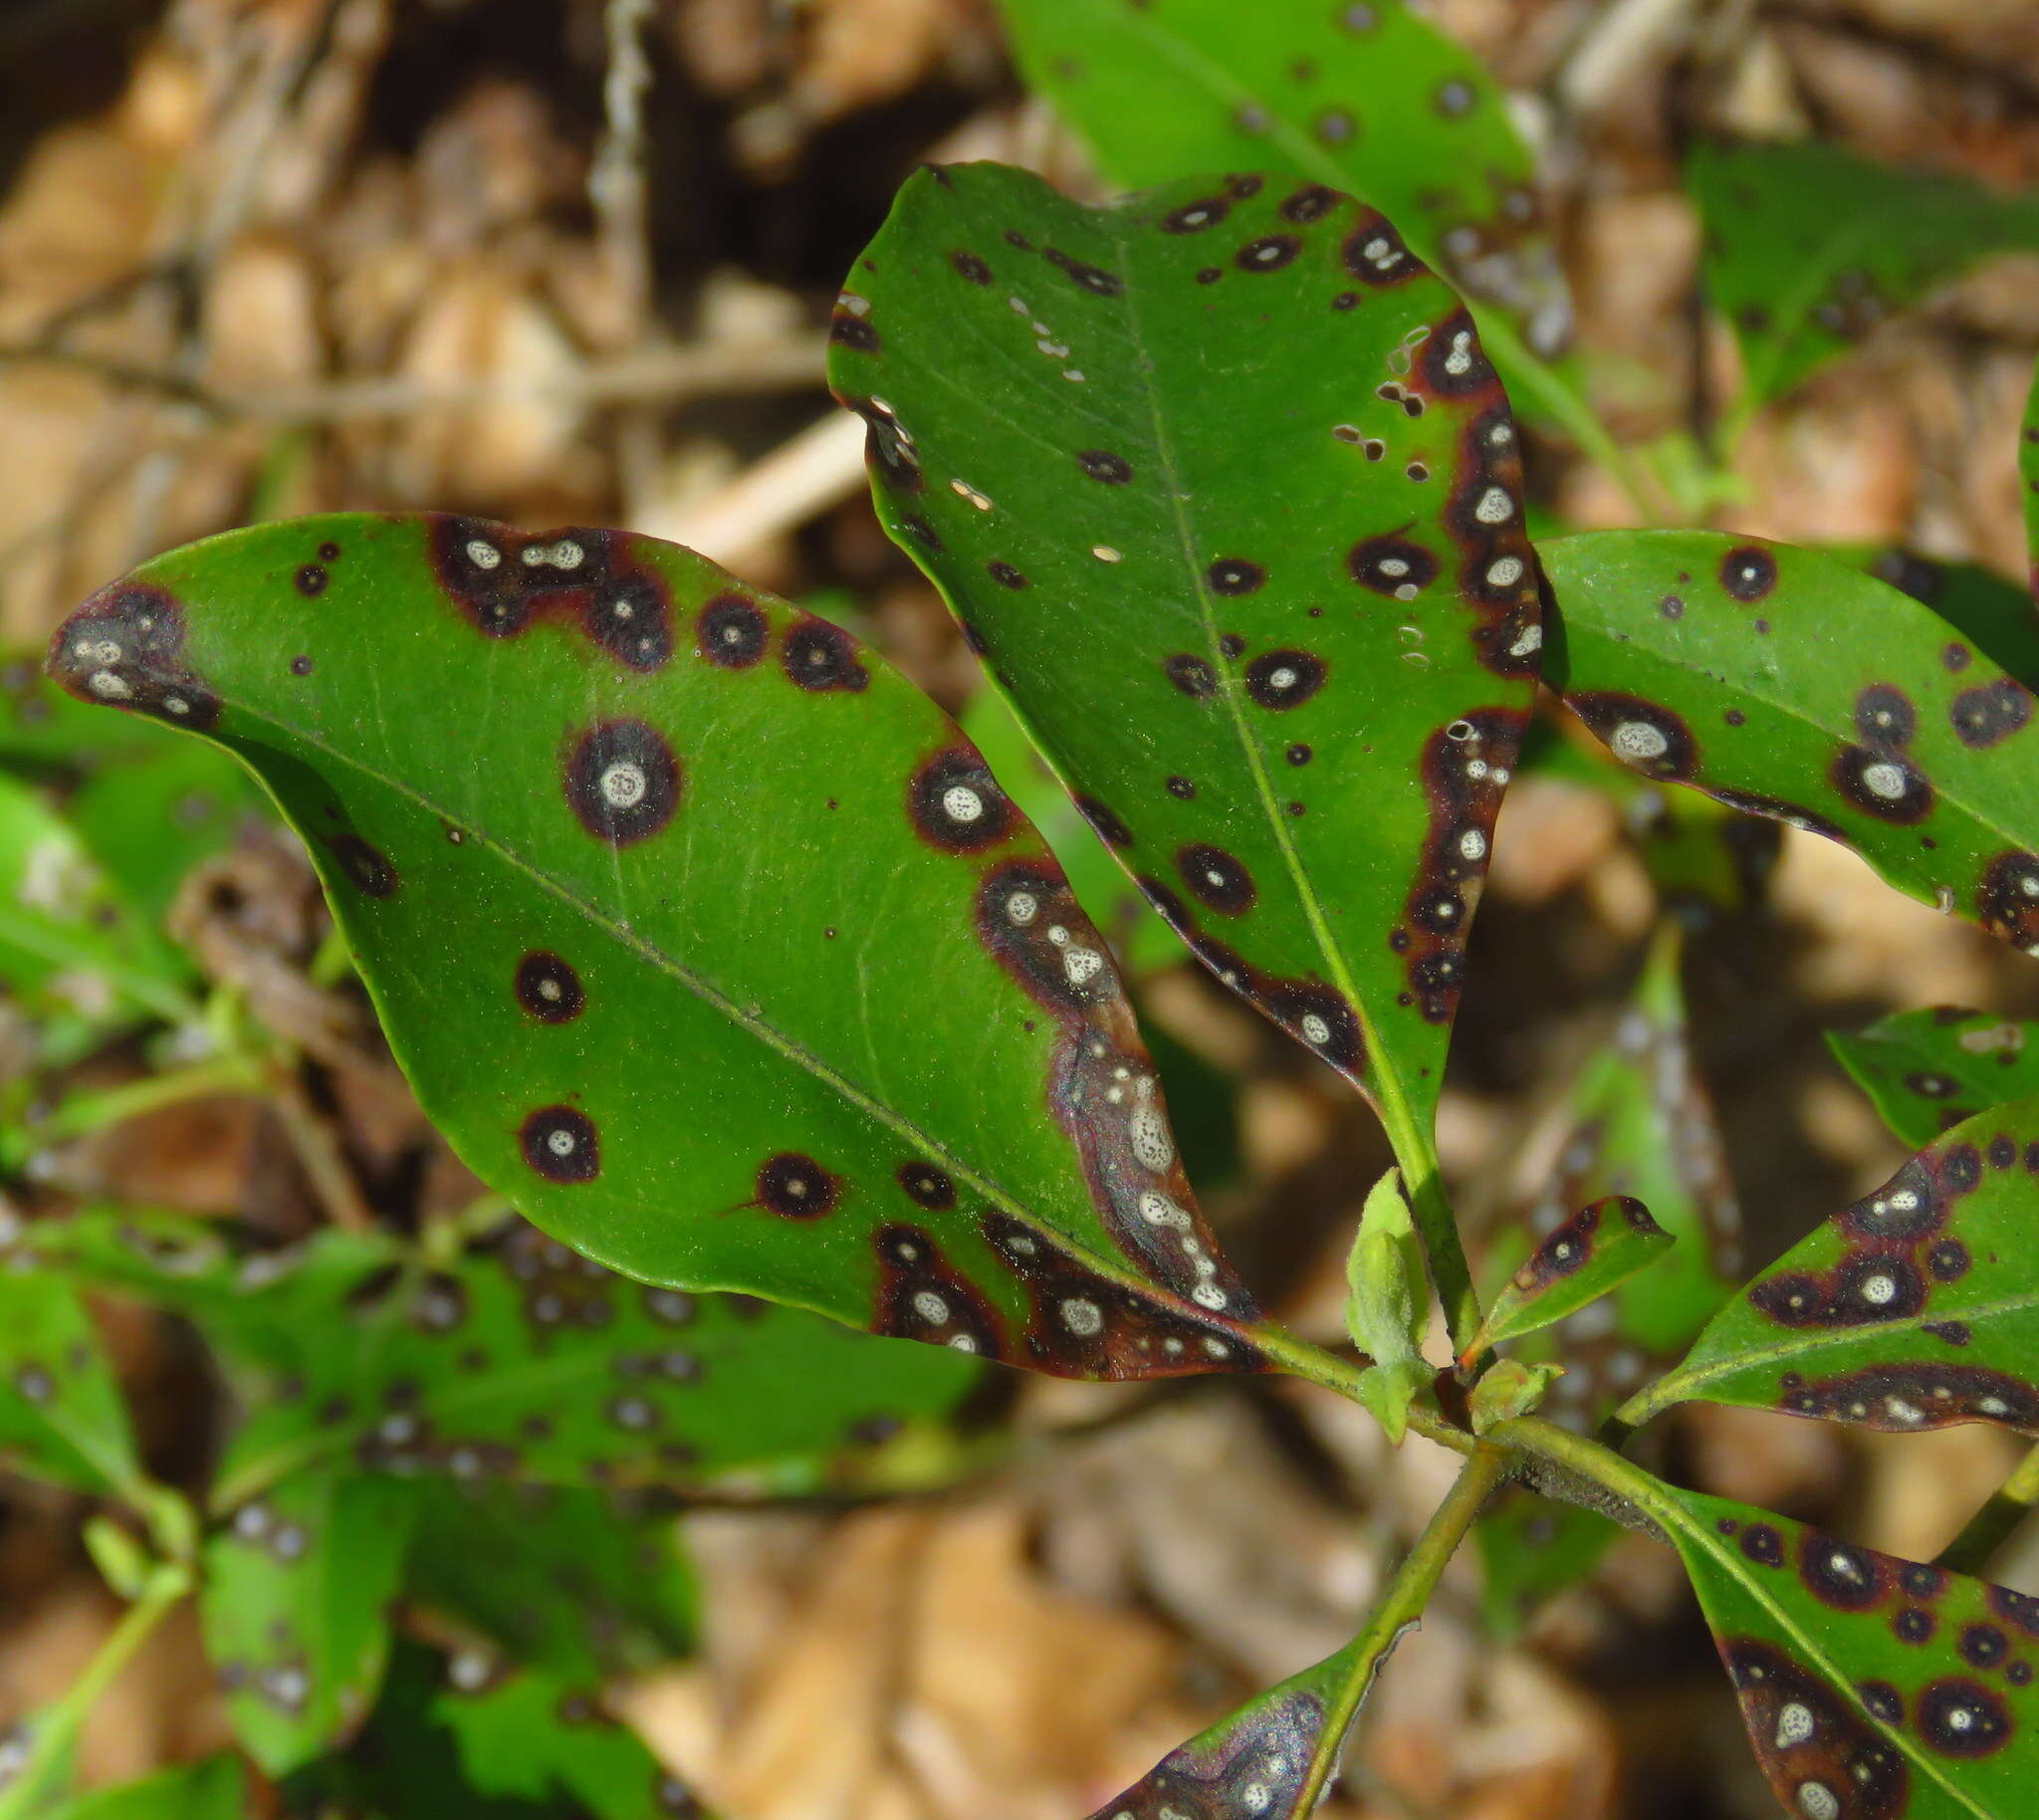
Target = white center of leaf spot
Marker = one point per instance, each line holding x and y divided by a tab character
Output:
962	803
623	785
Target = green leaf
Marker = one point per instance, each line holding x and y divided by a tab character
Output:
576	1582
295	1608
1367	98
703	935
1809	247
1246	555
62	1417
146	806
213	1789
458	1737
1638	1121
1782	682
1872	1686
1507	1390
1913	1308
1992	613
1596	1251
517	1360
1388	1310
1928	1072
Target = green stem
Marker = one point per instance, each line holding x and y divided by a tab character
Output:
81	1113
53	1734
1299	1359
1991	1526
1399	1609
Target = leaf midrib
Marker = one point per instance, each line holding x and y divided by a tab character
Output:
1387	1080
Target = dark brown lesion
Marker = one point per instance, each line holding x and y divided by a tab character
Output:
1084	1325
506	581
123	648
921	1295
1257	1765
1806	1734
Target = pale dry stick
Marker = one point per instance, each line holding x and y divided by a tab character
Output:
795	363
618	190
821	467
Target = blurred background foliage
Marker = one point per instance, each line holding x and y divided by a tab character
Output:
559	261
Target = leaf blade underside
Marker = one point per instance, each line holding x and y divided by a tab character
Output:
1910	1309
1782	682
831	1031
1271	615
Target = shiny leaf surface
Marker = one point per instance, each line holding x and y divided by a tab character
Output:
1809	247
1913	1308
1242	542
1928	1072
295	1606
702	934
1782	682
1367	97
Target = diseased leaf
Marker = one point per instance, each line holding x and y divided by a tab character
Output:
517	1360
213	1789
1873	1688
1597	1250
295	1606
1242	542
1809	247
1928	1072
62	1417
1638	1120
1367	97
1782	682
1266	1760
576	1582
1915	1308
701	932
1993	614
461	1736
